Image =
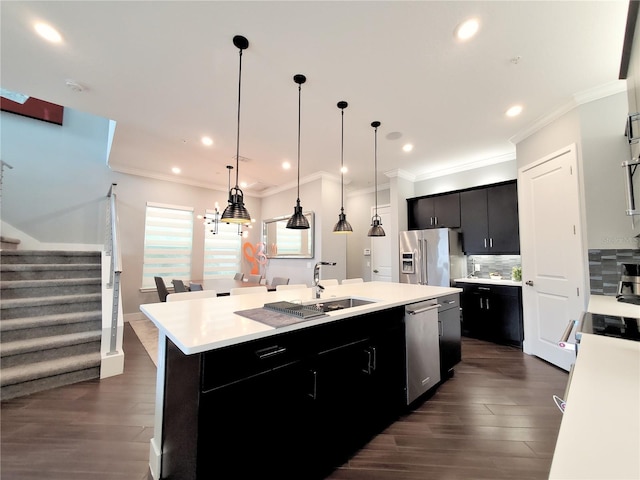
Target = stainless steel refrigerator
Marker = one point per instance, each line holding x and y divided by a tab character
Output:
431	257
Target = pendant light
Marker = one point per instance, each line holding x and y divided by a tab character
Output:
236	211
298	220
342	226
376	229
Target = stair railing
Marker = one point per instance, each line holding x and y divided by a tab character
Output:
113	250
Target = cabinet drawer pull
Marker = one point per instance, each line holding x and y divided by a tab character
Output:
314	390
270	352
371	360
485	288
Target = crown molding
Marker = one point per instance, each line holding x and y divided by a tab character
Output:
400	174
293	184
580	98
168	178
368	190
485	162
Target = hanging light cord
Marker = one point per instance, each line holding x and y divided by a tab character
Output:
375	166
299	116
342	163
238	134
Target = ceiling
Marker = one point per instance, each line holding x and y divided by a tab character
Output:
167	73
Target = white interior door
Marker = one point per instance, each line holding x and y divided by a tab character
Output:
553	290
381	249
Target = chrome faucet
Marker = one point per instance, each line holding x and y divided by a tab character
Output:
316	277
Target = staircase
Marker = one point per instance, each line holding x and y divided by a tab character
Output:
50	319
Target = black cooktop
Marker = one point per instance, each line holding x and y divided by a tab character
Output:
609	326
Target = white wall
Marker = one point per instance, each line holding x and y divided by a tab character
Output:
359	207
56	191
597	128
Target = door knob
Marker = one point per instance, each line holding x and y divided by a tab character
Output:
529	282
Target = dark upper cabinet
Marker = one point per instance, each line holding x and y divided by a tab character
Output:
489	220
435	211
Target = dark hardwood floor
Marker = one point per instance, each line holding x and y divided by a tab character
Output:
99	429
494	419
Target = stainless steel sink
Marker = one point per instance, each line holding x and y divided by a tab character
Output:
339	304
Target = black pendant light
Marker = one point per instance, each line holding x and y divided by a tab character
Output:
298	220
342	226
236	211
376	229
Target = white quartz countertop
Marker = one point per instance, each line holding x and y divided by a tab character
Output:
599	437
609	305
489	281
204	324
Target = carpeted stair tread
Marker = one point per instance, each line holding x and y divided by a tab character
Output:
51	282
55	300
29	267
49	320
24	373
47	343
53	256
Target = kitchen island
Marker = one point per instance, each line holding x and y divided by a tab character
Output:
236	396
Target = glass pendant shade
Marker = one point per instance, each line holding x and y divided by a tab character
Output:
298	221
376	229
236	212
342	226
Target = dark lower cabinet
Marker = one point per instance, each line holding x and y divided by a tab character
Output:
492	312
295	405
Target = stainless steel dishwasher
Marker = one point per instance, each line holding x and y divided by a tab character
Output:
423	351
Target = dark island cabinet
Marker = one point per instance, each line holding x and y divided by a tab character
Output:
294	405
492	312
489	220
434	211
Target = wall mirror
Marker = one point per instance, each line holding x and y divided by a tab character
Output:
283	242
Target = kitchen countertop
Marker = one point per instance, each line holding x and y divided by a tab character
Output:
200	325
599	435
609	305
489	281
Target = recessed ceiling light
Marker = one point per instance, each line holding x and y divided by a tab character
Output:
208	141
407	147
467	29
48	32
514	111
176	170
243	184
286	165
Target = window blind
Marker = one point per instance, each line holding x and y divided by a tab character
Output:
222	251
168	237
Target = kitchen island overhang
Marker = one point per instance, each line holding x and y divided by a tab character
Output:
206	325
